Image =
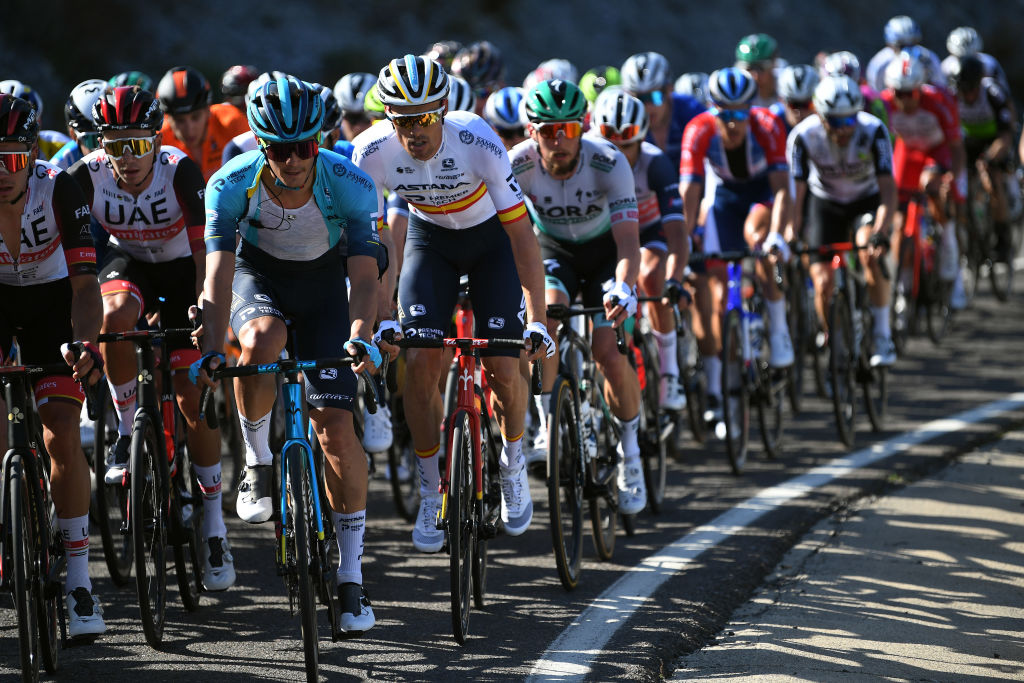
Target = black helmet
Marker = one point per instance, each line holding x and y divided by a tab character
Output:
183	89
481	64
127	107
966	73
19	121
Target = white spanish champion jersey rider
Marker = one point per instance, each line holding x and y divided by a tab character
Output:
840	174
465	183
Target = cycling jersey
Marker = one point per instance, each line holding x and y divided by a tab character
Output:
67	155
225	123
763	151
465	183
164	222
345	199
55	238
684	108
50	142
874	74
991	65
989	115
598	195
841	174
932	124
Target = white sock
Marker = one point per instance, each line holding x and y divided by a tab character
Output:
777	315
124	401
256	435
512	453
430	476
542	401
713	371
630	441
75	532
209	484
880	314
349	526
667	352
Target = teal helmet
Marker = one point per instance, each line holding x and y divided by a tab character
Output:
757	47
286	110
555	100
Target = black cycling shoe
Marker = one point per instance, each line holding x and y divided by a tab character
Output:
117	459
356	612
254	504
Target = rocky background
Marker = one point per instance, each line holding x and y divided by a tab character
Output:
54	45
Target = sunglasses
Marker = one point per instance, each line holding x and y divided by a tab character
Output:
628	132
798	104
550	131
137	147
13	162
904	94
655	97
90	141
732	115
427	118
282	151
841	121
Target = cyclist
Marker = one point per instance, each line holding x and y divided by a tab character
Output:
350	91
504	111
48	141
583	204
986	117
796	88
307	218
758	54
551	69
841	161
443	52
483	67
81	127
49	296
647	77
466	216
192	124
594	81
149	198
845	63
745	151
665	248
694	84
902	32
234	85
964	41
131	78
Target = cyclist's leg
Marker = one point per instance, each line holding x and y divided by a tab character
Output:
755	230
653	257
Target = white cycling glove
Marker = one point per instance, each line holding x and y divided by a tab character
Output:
386	325
626	297
774	241
541	329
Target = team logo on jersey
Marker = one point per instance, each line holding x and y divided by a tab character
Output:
417	309
329	373
218	184
496	323
261	297
403	169
448	163
466	137
339	169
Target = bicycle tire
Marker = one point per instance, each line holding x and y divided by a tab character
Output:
938	310
461	530
187	527
110	500
841	365
149	525
736	394
51	556
402	469
604	495
904	308
653	449
298	502
772	392
24	585
487	509
695	386
565	480
327	556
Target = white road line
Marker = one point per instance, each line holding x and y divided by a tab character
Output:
570	656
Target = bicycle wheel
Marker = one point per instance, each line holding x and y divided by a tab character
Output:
653	449
23	555
841	366
149	524
601	474
772	389
50	559
1000	272
111	500
489	507
298	499
186	525
904	308
736	400
937	308
326	555
691	374
461	530
402	469
565	484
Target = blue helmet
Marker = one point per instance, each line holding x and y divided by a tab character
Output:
503	110
731	87
286	110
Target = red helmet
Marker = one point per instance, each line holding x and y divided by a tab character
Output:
18	120
127	107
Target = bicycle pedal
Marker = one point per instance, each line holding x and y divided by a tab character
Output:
488	530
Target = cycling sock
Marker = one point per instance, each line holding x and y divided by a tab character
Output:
209	484
124	402
256	435
630	441
880	314
349	527
512	452
777	314
426	465
667	352
542	401
713	371
75	532
949	257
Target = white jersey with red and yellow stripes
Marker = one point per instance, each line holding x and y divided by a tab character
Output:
466	182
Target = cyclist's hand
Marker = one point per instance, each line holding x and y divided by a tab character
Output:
675	294
619	303
201	372
774	241
366	351
879	243
387	333
88	366
547	347
195	316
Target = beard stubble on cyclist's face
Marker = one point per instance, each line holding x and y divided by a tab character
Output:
558	154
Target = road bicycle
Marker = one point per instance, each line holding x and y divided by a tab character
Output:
918	289
979	241
110	501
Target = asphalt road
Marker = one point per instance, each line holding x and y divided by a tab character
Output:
248	631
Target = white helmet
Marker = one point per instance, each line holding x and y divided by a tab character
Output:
842	63
963	41
615	112
561	69
351	89
460	95
78	108
694	84
838	96
645	72
905	72
797	82
411	80
902	31
22	90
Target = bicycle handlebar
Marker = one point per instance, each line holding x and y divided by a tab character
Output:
842	248
563	312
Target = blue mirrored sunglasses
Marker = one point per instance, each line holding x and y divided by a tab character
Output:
841	121
731	115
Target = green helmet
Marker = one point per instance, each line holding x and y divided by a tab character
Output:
555	100
372	104
132	78
757	47
597	79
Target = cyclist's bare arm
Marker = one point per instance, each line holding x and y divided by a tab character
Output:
887	206
363	297
678	242
690	192
779	182
216	303
526	253
797	214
